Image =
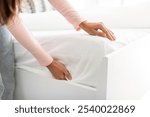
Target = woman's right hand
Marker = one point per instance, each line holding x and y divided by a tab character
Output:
59	71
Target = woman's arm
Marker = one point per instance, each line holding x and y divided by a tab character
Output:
20	32
92	28
67	11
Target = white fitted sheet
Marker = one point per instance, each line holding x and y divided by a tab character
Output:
82	54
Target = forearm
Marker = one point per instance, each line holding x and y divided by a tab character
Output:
22	35
67	11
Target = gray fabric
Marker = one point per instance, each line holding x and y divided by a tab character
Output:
7	81
1	87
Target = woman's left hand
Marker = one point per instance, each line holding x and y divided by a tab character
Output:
97	29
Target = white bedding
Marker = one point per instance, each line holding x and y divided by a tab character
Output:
81	53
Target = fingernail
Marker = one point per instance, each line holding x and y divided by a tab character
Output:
114	38
68	78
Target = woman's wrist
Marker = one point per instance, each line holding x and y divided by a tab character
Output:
83	24
51	64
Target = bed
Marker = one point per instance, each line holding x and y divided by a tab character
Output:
109	71
101	69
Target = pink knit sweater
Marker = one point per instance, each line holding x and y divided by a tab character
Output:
21	33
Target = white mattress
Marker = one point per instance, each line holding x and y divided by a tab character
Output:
81	53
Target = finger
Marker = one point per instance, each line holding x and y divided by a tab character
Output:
106	31
95	32
111	31
68	75
112	34
102	34
108	34
98	33
60	77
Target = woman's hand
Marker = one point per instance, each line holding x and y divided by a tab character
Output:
97	29
59	71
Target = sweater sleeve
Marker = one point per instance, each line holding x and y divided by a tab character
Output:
68	12
22	35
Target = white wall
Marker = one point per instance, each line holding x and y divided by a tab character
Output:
86	4
120	13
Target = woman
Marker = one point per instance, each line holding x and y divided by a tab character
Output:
9	19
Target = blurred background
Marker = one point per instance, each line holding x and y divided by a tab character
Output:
114	13
43	5
85	4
